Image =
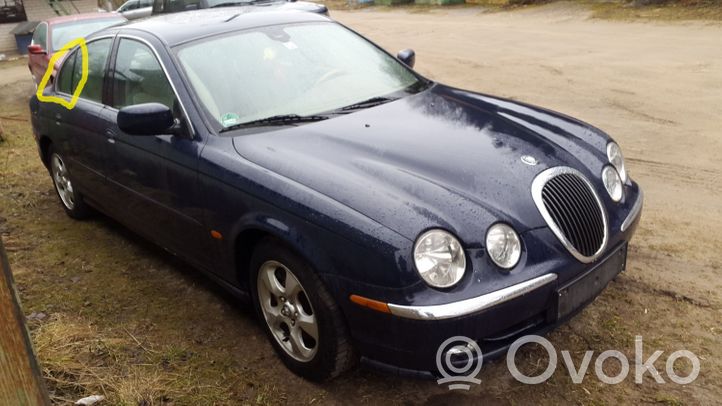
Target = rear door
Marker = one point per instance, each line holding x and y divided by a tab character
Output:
83	126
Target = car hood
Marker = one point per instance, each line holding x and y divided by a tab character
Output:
440	158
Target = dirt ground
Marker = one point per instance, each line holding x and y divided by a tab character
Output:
111	314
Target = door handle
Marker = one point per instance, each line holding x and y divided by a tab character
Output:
58	118
111	136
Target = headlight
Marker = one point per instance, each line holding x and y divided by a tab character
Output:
503	245
439	258
614	154
612	182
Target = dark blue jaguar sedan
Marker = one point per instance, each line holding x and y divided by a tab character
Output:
367	212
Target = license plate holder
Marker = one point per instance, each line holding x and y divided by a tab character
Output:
586	287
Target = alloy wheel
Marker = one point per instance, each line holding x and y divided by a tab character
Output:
287	311
62	181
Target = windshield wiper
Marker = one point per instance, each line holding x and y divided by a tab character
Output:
374	101
283	119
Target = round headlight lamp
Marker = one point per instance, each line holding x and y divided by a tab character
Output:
439	258
614	154
612	182
503	245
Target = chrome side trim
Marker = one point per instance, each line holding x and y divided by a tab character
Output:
636	209
536	193
473	305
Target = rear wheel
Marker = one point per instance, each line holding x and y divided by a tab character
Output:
70	198
299	315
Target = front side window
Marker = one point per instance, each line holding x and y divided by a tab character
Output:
71	73
139	78
131	5
301	69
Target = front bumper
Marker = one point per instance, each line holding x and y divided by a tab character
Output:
415	334
406	340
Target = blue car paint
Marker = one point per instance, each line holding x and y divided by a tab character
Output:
350	194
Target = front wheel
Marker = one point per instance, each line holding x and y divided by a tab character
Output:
299	315
70	198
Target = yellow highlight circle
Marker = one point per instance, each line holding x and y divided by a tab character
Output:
83	74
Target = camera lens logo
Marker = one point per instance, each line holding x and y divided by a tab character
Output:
459	361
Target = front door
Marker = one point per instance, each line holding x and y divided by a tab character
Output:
155	177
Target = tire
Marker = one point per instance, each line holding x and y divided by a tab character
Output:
70	198
284	313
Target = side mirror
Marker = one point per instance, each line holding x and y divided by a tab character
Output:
146	119
408	57
36	49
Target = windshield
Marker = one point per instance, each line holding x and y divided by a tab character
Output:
301	69
65	32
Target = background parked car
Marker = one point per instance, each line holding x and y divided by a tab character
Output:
50	35
174	6
133	9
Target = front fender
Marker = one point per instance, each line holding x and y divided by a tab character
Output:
337	241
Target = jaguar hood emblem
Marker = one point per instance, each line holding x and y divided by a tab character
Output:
529	160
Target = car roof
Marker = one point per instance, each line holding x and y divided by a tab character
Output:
83	16
177	28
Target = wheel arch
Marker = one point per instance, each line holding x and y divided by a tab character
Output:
261	228
243	247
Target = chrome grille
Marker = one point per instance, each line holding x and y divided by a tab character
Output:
573	211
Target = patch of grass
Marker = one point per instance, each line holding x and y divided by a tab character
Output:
123	319
79	359
668	400
665	10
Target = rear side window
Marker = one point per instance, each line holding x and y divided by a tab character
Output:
65	77
40	36
71	73
139	77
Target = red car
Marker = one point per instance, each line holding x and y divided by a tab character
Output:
50	36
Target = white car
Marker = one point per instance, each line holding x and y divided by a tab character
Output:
133	9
